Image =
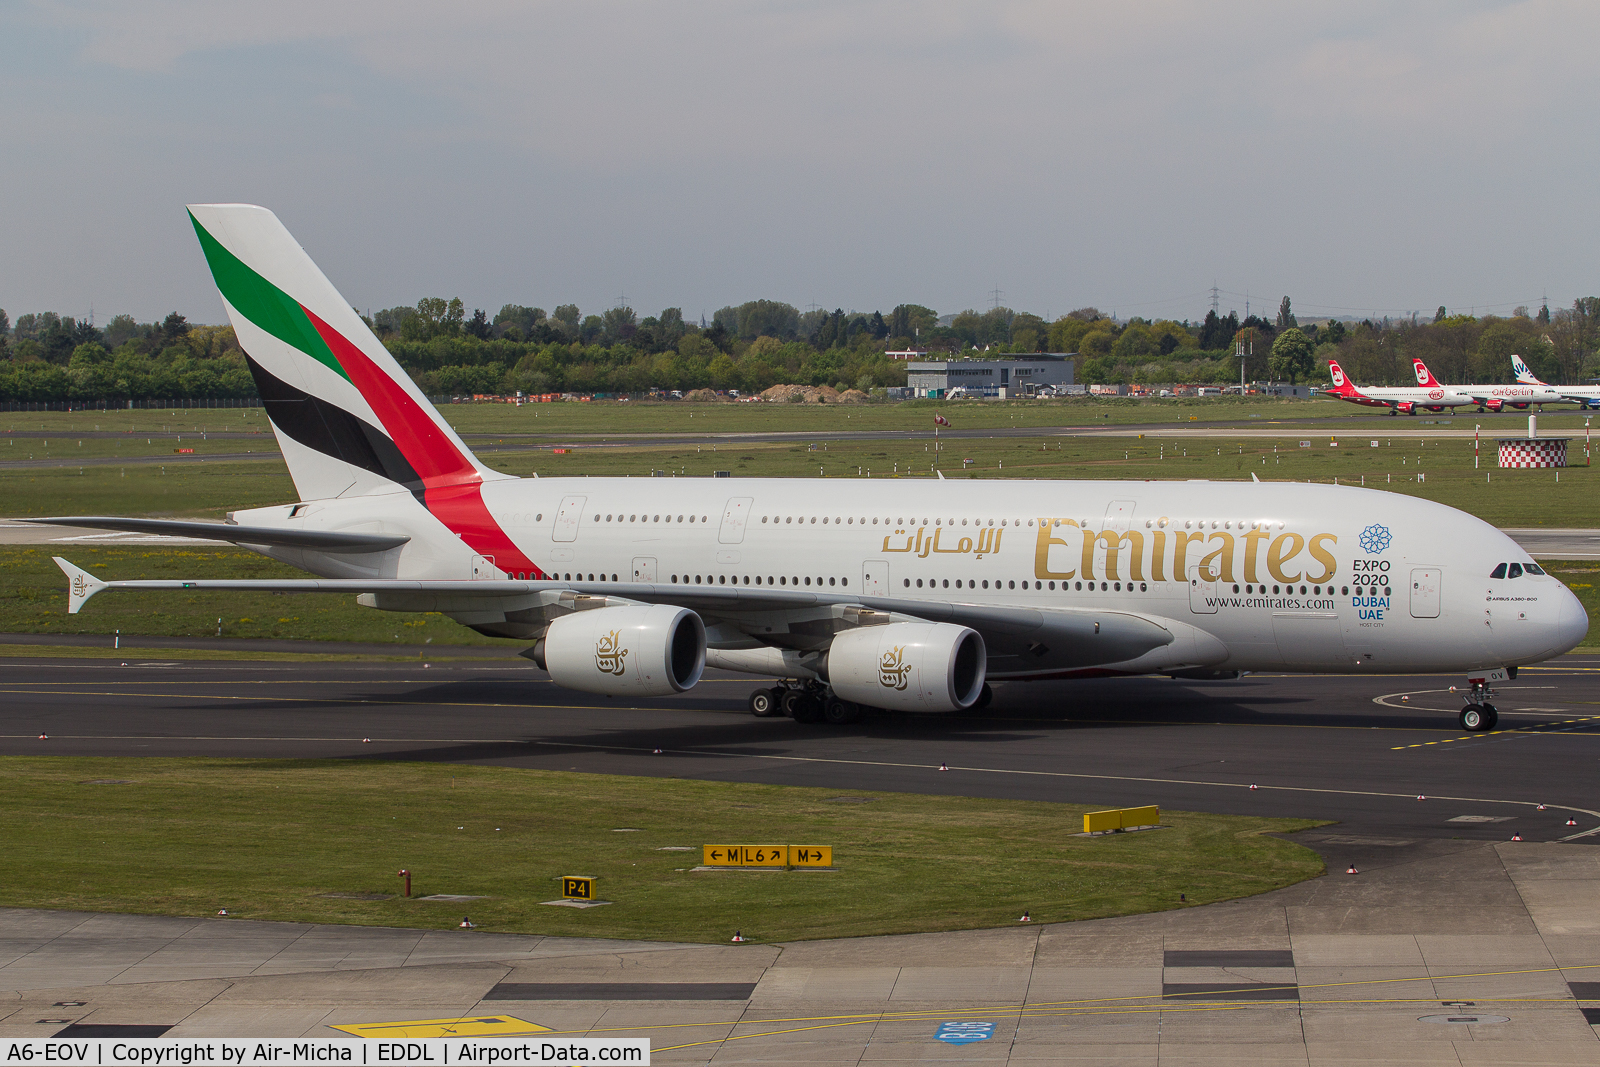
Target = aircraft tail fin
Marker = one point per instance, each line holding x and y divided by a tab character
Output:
1425	376
1525	376
1341	384
349	420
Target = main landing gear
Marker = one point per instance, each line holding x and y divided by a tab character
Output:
806	702
1479	715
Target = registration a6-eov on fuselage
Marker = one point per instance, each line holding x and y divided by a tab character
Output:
856	594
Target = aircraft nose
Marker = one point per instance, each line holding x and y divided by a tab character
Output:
1573	624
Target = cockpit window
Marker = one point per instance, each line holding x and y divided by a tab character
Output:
1533	568
1515	571
1498	572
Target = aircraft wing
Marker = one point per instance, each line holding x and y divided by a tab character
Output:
1069	637
321	540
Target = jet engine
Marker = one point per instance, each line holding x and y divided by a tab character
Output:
908	666
1406	407
625	651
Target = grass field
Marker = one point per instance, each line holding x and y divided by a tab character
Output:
602	418
1502	497
273	840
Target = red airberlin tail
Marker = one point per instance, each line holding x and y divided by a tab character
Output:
1341	384
1425	376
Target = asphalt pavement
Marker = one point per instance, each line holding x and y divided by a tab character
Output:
1355	750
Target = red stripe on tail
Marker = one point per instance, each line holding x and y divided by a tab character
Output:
451	485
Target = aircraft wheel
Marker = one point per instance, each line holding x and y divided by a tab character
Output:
801	706
1474	718
1492	716
840	712
985	698
764	703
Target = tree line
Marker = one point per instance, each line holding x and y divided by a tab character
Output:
51	357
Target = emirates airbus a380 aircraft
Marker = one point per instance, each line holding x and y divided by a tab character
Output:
907	595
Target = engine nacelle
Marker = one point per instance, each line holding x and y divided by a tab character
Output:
1494	404
909	666
653	650
1406	407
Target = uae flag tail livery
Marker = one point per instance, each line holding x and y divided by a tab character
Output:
349	420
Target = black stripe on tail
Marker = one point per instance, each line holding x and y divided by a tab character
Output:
333	431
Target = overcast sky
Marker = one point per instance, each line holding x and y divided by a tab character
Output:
1361	157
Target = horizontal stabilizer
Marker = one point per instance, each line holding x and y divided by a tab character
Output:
81	585
320	540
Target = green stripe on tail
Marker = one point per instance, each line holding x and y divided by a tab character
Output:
263	303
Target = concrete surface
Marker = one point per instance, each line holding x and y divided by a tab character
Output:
1437	929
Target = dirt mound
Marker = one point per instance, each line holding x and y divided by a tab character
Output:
854	396
705	396
801	394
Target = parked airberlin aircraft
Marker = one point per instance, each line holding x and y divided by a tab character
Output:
907	595
1587	395
1430	394
1500	397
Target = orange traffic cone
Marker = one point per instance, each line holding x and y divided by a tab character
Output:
1539	808
1421	797
1253	787
44	737
1516	837
1572	822
943	767
737	936
1352	870
1026	918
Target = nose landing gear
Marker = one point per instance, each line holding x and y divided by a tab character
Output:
1479	716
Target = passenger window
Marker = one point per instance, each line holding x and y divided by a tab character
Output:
1533	568
1515	571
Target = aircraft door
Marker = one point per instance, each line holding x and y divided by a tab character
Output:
734	517
874	578
484	570
644	569
1202	591
1425	589
568	518
1119	514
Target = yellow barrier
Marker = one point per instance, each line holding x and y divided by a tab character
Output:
1099	822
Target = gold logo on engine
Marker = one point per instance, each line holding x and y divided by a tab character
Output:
78	585
608	657
892	668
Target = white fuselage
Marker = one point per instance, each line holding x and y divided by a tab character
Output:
1435	398
1258	576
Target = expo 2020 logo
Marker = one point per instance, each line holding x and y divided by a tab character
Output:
1374	539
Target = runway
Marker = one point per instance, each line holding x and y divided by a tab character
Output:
1358	751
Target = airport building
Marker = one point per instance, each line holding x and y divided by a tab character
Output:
1021	375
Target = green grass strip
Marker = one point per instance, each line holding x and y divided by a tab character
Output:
268	839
